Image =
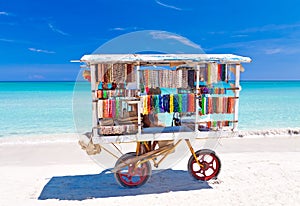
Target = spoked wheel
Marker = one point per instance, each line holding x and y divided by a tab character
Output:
211	165
134	174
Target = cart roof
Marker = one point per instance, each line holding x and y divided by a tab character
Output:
149	59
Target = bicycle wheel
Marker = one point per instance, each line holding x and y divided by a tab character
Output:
134	174
211	165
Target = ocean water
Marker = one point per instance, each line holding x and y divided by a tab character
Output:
33	108
269	105
28	108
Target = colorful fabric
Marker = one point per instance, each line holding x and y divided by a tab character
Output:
166	103
191	103
118	107
145	105
171	103
184	103
203	104
176	103
113	108
179	102
209	74
218	105
100	109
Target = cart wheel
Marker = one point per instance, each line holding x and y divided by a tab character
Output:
211	165
132	175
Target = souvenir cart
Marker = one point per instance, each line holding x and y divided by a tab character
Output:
158	100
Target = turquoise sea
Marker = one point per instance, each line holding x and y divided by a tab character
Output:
33	108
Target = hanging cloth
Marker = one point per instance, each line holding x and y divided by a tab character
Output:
219	72
231	103
214	73
105	109
152	103
184	102
179	102
166	102
109	108
209	74
171	103
210	105
179	78
160	103
145	105
156	103
104	94
215	101
223	78
191	78
99	94
191	102
113	108
176	103
117	107
148	104
204	103
100	109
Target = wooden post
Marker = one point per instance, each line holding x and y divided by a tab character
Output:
94	100
140	103
197	97
236	94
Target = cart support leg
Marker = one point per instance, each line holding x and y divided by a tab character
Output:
193	152
137	151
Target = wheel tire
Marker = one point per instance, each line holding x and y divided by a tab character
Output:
132	177
211	162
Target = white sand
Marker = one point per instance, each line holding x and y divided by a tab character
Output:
255	171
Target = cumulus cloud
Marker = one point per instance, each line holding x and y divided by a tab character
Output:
41	51
168	6
57	30
164	35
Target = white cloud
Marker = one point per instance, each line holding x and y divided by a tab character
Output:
265	28
286	46
164	35
4	13
36	77
217	32
118	29
239	36
57	30
7	40
41	51
125	28
270	27
273	51
168	6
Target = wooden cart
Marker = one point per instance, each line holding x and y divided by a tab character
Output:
197	93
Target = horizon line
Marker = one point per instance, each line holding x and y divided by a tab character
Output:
243	80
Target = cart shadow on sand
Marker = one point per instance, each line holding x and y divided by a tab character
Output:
81	187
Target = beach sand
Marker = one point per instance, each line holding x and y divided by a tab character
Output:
255	171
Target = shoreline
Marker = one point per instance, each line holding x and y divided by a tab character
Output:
74	137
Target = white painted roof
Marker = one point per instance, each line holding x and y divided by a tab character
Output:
163	58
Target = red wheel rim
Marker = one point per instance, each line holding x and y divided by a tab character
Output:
210	168
133	176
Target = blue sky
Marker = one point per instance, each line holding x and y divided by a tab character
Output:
39	38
